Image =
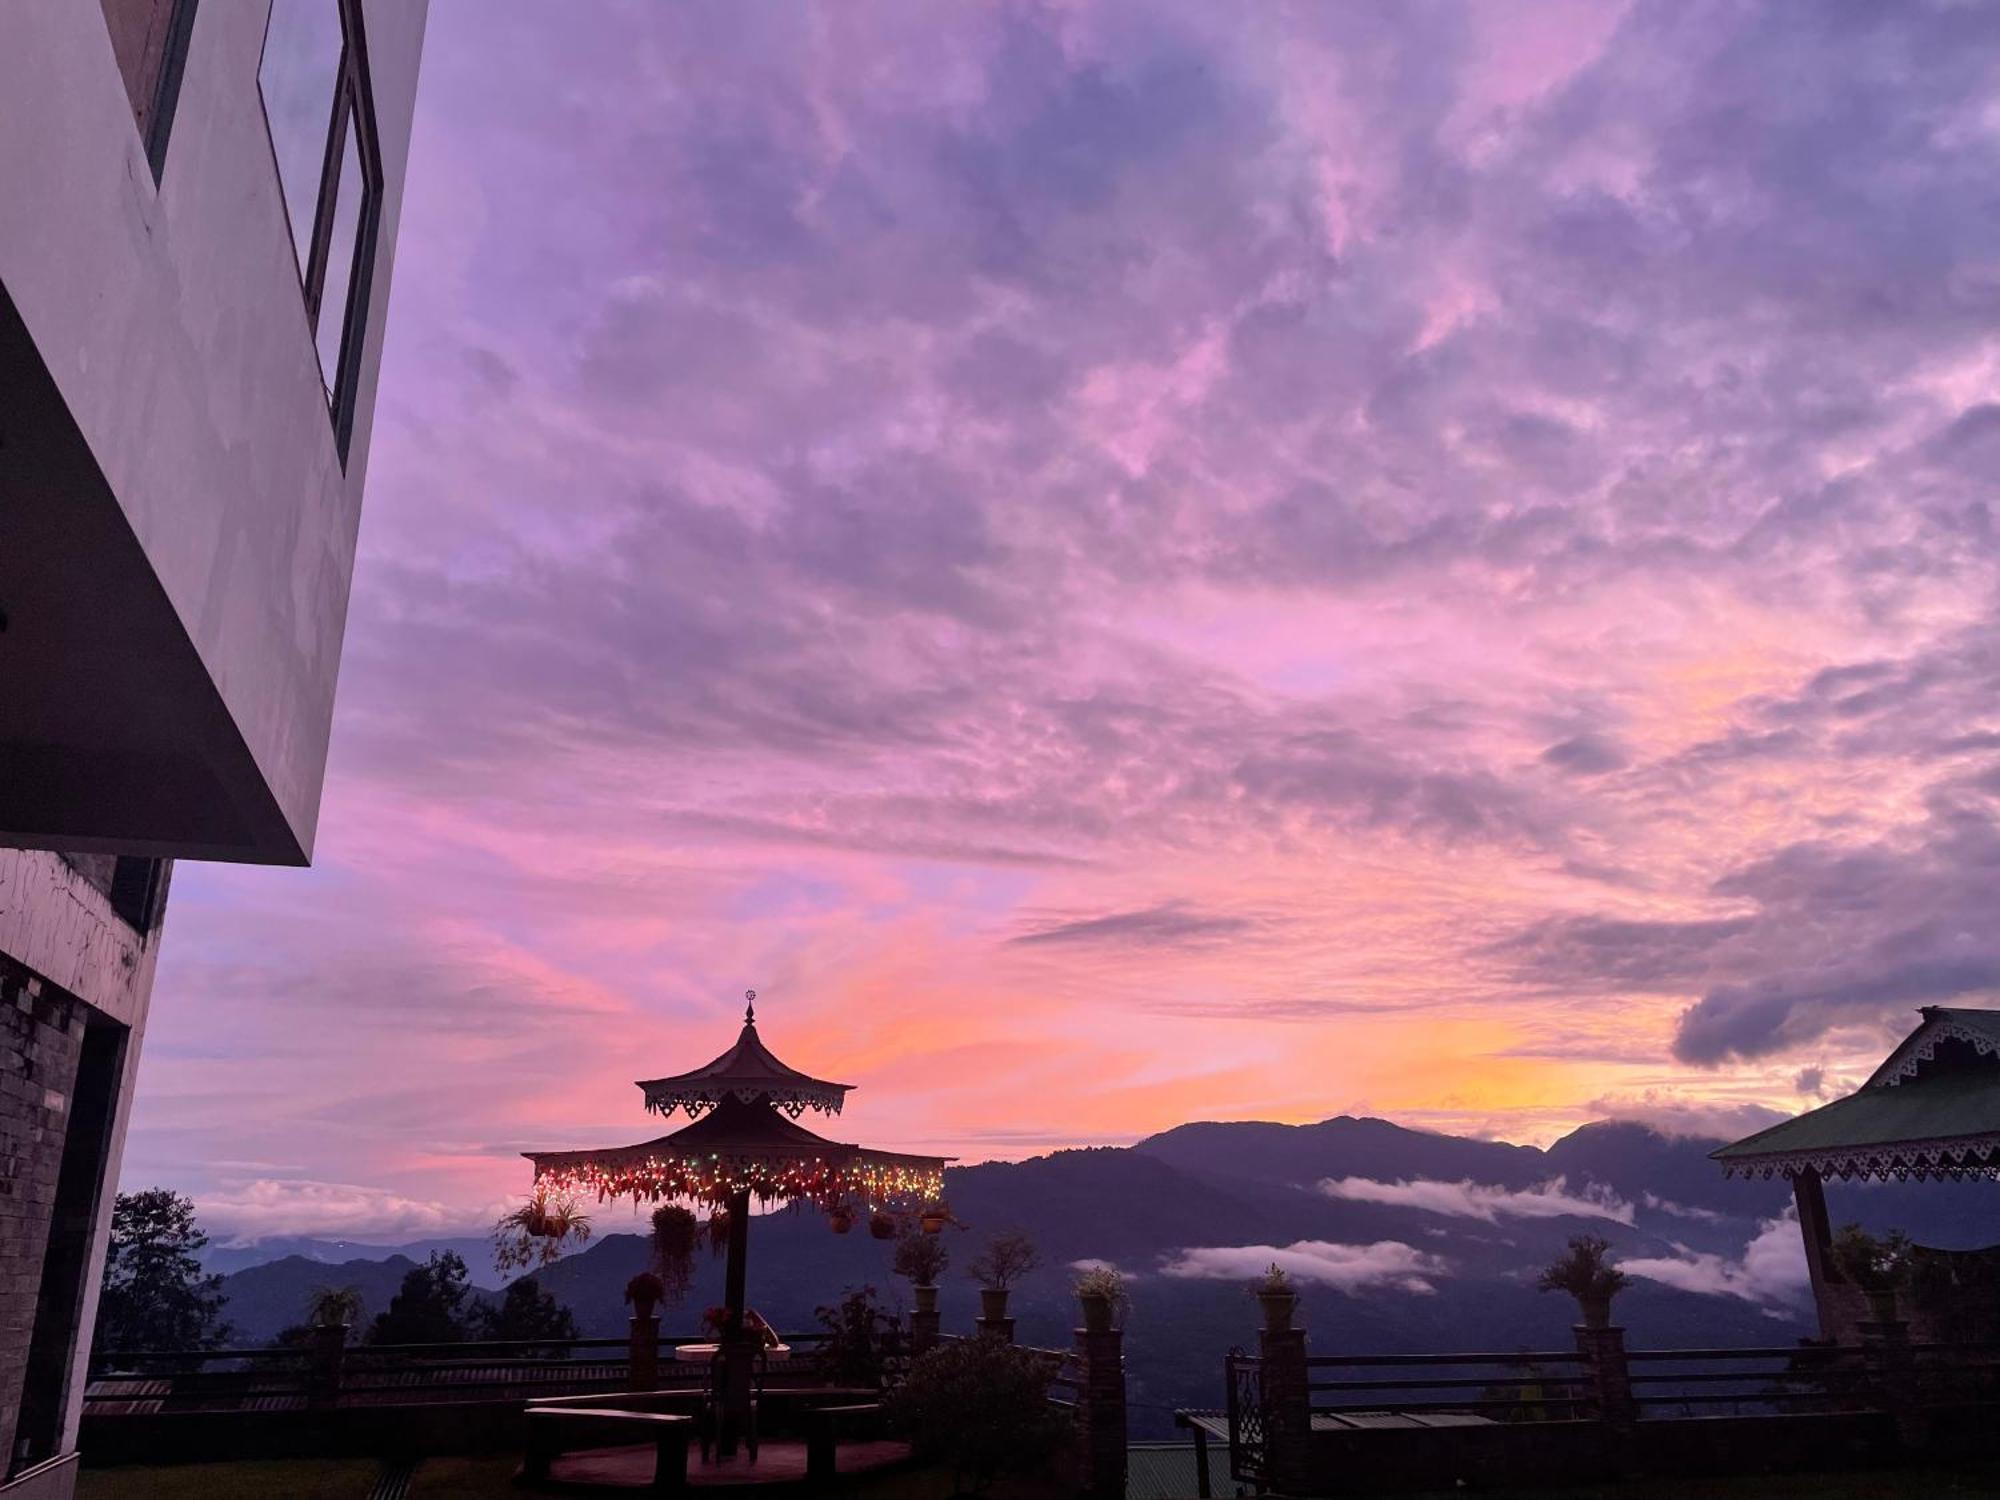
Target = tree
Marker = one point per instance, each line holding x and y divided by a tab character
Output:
525	1312
155	1294
429	1307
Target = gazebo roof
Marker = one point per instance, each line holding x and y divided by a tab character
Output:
744	1146
1932	1109
747	1071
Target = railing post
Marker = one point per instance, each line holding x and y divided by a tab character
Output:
1892	1374
1287	1410
324	1357
645	1374
924	1322
1608	1376
1101	1411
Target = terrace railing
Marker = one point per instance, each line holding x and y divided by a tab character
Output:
1524	1386
268	1379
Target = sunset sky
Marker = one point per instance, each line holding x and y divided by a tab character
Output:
1125	563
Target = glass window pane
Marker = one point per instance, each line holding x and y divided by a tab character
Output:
342	247
298	76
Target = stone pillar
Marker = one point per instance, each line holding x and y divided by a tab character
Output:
1288	1463
924	1321
993	1320
1100	1410
1892	1377
646	1352
1607	1377
325	1354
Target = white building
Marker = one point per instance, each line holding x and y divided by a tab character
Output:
198	208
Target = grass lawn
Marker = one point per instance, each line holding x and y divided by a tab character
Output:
252	1479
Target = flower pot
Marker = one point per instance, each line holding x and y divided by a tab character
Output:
1882	1304
840	1220
993	1303
1596	1311
882	1226
926	1298
1278	1308
933	1220
1096	1314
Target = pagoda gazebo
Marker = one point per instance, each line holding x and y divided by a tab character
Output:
1930	1111
744	1143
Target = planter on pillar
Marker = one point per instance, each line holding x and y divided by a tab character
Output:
645	1352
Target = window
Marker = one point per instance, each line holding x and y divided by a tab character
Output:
149	39
314	82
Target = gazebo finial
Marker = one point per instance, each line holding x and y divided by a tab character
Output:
749	1007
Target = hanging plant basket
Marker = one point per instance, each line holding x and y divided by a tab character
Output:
840	1220
934	1218
882	1226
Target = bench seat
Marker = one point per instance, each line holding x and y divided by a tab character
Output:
554	1429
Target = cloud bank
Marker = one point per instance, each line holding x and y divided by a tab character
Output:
1387	1265
1471	1200
1771	1270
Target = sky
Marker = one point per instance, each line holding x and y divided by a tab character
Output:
1126	563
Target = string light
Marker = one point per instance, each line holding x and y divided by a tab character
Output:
715	1178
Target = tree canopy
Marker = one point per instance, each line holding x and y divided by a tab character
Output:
155	1294
429	1307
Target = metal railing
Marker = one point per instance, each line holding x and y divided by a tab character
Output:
1668	1383
1523	1386
168	1380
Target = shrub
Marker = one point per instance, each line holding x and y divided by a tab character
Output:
1005	1260
1275	1282
982	1407
333	1306
1584	1271
1874	1265
861	1339
920	1257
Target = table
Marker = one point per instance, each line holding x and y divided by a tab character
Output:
697	1352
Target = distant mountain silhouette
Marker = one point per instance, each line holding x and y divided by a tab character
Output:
1234	1187
228	1259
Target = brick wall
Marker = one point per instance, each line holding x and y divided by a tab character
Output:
41	1039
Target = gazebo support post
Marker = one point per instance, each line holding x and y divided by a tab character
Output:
738	1352
1809	1193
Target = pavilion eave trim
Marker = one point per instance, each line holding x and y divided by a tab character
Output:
1953	1158
666	1096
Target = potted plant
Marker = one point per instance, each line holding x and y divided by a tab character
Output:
921	1258
1278	1297
933	1219
1880	1267
840	1218
675	1233
1100	1291
1585	1272
882	1225
536	1232
1005	1260
334	1306
717	1230
644	1292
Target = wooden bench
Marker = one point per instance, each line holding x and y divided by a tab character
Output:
825	1425
554	1429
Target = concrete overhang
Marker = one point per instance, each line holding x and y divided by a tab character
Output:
113	737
